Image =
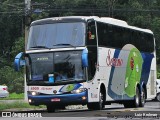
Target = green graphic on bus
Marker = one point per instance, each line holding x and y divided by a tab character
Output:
133	71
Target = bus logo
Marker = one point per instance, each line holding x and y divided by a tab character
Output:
132	63
54	91
116	62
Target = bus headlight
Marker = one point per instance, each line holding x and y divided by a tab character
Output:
34	93
78	90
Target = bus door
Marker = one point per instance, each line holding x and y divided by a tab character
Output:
92	60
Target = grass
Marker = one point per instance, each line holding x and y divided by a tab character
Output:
18	104
14	96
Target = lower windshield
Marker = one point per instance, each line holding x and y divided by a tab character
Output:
55	67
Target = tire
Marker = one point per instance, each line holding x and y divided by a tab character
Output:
90	106
136	101
127	104
101	104
133	103
142	98
50	108
158	97
98	105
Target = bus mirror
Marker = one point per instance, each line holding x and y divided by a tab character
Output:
85	58
18	62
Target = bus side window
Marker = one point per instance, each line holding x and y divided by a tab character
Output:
110	36
150	43
91	34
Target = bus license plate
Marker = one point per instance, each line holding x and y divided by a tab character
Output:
55	100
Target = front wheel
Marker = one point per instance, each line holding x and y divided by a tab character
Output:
50	108
101	104
98	105
90	106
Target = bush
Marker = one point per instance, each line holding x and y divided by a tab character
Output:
14	80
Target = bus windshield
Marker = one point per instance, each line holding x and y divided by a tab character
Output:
64	66
56	35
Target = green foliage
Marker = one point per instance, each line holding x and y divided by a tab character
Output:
14	96
14	80
18	46
135	4
18	104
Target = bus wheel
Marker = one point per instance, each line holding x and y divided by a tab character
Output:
136	100
100	105
158	97
134	103
142	98
50	108
90	106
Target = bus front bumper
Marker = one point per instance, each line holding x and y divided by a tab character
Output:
61	99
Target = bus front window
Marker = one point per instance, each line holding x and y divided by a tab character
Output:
56	35
68	66
64	66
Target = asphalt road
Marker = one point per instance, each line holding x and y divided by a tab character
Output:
115	111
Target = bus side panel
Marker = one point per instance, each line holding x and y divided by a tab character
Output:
122	70
121	80
112	72
93	90
101	76
104	69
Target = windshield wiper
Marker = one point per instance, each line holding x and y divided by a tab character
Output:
63	44
40	47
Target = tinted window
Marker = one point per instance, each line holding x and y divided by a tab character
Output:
117	37
56	35
91	34
92	56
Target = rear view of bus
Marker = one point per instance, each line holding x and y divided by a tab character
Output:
82	60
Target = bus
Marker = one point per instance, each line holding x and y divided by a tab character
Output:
88	60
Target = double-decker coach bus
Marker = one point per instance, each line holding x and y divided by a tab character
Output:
91	61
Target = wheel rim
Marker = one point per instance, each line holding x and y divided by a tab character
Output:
137	98
143	97
101	100
158	97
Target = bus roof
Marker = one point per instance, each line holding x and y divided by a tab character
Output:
108	20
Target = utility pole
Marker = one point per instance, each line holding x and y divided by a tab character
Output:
27	20
28	4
